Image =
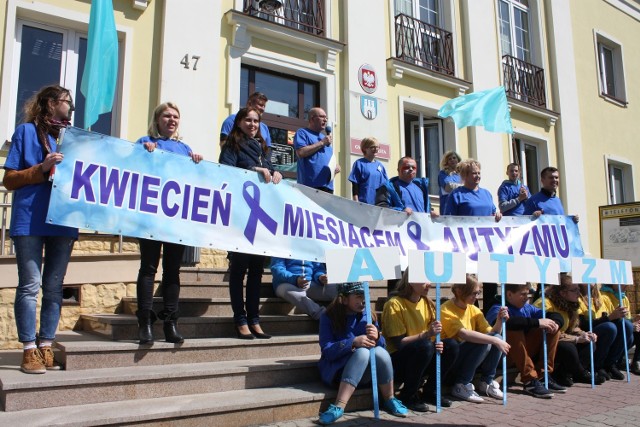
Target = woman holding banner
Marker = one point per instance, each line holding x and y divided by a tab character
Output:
410	327
32	156
608	321
162	134
346	341
245	148
481	346
470	199
572	354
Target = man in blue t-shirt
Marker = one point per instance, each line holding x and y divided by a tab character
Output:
405	192
315	153
257	100
512	193
546	201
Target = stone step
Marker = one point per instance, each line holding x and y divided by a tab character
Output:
229	409
125	326
194	307
62	388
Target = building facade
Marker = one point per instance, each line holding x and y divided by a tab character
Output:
379	68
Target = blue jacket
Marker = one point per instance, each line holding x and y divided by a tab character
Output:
336	348
288	270
388	195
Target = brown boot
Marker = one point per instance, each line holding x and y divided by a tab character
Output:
32	362
49	359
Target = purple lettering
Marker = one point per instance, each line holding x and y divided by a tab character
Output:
293	221
542	241
486	233
198	204
333	233
563	250
449	237
133	193
394	240
185	202
82	180
353	237
169	211
364	234
377	238
221	209
112	183
318	226
149	193
504	237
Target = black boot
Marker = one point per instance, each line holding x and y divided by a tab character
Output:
171	334
145	326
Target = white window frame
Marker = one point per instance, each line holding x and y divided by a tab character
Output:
515	4
627	179
603	41
542	152
56	19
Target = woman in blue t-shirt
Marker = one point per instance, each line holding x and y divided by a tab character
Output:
448	177
28	168
162	134
470	199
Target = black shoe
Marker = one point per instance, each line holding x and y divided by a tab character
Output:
536	389
555	387
260	335
243	336
171	333
563	379
635	367
145	326
584	377
444	402
415	404
615	373
604	374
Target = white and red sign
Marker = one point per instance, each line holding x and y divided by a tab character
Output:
384	152
367	78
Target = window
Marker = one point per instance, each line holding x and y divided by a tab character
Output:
425	143
514	28
424	10
620	181
50	55
610	69
527	155
290	99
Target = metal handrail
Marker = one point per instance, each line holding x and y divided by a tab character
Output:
524	81
303	15
424	44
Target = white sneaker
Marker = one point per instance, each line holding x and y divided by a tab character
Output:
491	390
466	392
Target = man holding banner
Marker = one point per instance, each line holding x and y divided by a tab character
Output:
546	200
525	335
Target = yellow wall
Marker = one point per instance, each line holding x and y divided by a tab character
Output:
606	128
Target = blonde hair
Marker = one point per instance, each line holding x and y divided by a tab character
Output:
444	162
464	167
153	126
368	142
464	290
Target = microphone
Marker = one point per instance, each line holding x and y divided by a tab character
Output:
328	130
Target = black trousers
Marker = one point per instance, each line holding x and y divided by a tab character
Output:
149	260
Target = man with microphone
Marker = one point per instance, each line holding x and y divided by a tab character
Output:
315	153
512	193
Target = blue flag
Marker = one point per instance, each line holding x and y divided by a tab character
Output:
487	108
101	68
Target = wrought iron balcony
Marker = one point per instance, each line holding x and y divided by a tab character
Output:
524	81
303	15
424	45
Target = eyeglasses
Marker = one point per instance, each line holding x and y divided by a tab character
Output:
374	147
476	294
68	101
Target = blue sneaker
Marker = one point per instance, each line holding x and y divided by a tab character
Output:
395	407
331	415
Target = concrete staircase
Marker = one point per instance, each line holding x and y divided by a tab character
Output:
210	379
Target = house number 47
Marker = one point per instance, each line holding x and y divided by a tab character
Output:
187	63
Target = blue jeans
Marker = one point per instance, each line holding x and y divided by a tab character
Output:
357	368
29	258
471	356
606	345
616	351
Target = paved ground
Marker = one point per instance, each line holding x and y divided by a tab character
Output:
615	403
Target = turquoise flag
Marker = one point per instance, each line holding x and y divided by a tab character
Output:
487	108
101	67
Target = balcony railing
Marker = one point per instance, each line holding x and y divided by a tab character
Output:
303	15
524	81
424	45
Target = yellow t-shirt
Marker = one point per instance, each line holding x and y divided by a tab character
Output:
455	318
605	307
549	307
614	301
401	317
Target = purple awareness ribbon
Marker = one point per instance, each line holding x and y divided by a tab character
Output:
257	213
415	234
